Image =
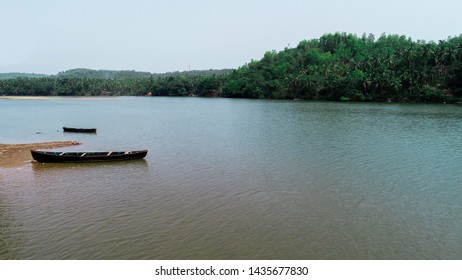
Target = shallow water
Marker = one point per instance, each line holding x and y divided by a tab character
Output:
236	179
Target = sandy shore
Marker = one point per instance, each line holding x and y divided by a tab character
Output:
14	155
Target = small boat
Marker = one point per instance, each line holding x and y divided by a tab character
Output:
58	157
83	130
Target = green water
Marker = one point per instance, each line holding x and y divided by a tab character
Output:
236	179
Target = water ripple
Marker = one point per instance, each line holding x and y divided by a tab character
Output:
243	179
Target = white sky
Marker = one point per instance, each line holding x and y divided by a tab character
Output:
48	36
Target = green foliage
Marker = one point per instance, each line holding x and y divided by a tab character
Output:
102	74
6	76
79	83
344	66
336	66
130	74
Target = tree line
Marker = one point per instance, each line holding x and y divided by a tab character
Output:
347	67
164	86
336	66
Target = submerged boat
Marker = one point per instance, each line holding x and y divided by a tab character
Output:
57	157
84	130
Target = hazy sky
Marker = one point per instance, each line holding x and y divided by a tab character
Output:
48	36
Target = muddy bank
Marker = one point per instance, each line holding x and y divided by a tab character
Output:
13	155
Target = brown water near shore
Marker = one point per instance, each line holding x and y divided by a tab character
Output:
14	155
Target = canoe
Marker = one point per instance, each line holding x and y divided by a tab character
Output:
84	130
58	157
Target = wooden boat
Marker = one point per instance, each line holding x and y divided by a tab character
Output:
58	157
83	130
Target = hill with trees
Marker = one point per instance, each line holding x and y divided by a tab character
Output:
347	67
6	76
336	66
102	74
131	74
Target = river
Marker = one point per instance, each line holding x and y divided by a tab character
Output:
236	179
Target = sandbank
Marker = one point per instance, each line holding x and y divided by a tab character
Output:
14	155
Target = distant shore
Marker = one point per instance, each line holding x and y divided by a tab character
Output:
14	97
14	155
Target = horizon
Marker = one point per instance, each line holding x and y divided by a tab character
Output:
50	36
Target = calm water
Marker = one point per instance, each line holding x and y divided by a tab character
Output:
236	179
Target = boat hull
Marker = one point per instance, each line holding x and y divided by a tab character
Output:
81	130
66	157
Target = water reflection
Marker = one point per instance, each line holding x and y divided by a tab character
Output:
39	167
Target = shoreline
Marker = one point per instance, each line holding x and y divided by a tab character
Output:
99	97
35	97
15	155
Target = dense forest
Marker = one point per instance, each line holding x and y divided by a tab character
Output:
336	66
87	82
